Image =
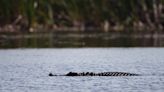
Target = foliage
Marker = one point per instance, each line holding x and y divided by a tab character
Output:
50	11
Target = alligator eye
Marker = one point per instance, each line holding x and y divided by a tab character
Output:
50	74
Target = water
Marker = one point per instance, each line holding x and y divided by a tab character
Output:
26	70
58	39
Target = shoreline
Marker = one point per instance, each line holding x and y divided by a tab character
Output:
60	39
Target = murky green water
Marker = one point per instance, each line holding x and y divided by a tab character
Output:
82	39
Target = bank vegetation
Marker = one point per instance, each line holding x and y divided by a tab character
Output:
81	15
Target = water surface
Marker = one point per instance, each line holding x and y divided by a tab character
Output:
26	70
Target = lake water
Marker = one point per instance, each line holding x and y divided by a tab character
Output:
26	70
66	39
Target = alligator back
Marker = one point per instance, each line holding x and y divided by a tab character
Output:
97	74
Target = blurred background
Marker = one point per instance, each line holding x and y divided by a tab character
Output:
81	23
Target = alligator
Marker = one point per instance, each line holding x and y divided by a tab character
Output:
97	74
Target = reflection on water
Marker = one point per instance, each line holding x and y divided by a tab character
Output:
83	39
